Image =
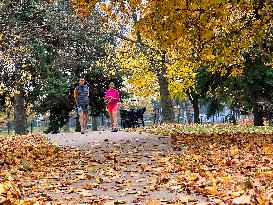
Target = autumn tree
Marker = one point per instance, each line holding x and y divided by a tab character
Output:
139	75
157	58
249	92
182	78
44	52
21	22
82	49
197	31
200	29
156	66
144	82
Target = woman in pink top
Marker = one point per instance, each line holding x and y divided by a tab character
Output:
112	99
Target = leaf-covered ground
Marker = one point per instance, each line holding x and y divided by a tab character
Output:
28	163
228	164
131	170
194	165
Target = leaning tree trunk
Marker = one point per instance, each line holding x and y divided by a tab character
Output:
167	105
258	115
20	115
270	122
194	99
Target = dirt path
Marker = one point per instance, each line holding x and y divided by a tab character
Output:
130	169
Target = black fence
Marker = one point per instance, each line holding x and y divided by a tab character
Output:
130	118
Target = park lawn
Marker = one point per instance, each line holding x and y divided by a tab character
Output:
228	164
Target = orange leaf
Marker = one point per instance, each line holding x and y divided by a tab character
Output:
152	202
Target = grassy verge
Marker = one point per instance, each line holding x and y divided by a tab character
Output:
166	129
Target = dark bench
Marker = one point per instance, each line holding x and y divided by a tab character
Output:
132	118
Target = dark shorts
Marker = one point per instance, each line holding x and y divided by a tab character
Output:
82	108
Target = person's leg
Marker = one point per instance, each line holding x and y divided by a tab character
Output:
111	119
109	107
114	116
81	117
85	114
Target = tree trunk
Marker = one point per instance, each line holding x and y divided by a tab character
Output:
20	115
195	104
188	113
161	72
167	105
258	115
194	99
94	124
66	127
270	122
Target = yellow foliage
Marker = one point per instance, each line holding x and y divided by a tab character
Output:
141	81
195	31
181	77
213	30
210	190
82	7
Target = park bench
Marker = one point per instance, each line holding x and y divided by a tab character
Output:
132	118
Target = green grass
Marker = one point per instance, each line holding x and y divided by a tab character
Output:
219	128
227	128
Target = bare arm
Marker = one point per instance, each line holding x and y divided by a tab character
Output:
75	94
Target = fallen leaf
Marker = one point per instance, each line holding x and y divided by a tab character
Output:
120	202
99	180
245	199
152	202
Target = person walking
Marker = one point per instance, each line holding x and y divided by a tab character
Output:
81	95
112	99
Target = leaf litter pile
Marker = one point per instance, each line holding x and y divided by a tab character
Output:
228	164
209	165
35	171
29	163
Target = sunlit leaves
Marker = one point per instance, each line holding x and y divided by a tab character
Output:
141	78
152	202
215	31
10	193
83	8
181	77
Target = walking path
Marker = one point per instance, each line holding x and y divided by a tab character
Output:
130	170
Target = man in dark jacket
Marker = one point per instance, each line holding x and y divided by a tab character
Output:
81	95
